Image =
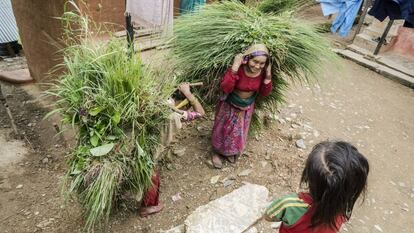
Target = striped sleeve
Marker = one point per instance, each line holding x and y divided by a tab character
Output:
288	209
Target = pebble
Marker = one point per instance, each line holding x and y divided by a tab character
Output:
300	144
378	228
214	179
294	126
227	183
401	184
36	213
176	197
245	172
282	121
45	160
179	152
19	186
43	224
274	163
316	133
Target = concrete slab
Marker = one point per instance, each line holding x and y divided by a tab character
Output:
232	213
381	69
177	229
395	62
399	63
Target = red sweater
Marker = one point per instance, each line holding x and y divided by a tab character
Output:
304	223
242	82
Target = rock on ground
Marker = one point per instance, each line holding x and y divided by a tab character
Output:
232	213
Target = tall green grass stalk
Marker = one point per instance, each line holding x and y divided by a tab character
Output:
280	6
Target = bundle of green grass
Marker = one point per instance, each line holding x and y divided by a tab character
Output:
117	106
205	43
280	6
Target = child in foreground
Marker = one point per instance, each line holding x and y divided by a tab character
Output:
336	174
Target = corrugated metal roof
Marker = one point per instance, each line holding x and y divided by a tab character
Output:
8	27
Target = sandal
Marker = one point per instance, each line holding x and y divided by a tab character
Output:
216	160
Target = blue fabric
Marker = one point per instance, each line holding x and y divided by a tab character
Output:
394	9
190	5
330	7
348	10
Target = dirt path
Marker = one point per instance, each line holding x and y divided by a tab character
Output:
353	104
377	115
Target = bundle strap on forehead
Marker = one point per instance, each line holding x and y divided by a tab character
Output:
256	48
259	53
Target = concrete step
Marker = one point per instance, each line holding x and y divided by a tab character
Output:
355	48
387	72
365	41
398	63
373	32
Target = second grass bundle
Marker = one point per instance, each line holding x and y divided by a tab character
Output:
205	43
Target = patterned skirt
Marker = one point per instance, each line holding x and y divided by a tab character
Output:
231	127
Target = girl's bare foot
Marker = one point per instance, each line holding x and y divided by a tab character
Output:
231	159
216	160
145	211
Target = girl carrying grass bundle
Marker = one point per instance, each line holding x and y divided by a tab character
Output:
249	76
150	202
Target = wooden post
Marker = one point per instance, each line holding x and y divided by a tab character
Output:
367	4
384	35
129	32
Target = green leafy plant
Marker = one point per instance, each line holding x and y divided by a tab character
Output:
118	106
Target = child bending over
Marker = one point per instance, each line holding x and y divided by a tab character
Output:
336	174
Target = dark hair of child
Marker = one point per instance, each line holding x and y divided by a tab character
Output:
336	174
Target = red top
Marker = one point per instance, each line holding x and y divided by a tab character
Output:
303	225
242	82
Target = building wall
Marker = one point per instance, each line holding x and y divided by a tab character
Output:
106	11
39	30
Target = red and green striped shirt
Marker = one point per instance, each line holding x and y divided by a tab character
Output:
295	212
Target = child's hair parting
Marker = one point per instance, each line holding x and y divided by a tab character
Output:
336	174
